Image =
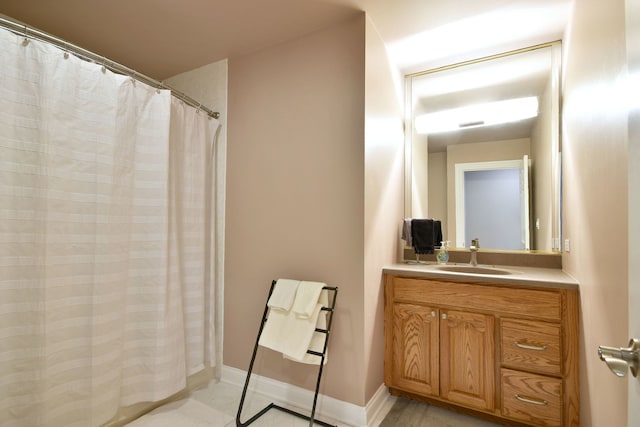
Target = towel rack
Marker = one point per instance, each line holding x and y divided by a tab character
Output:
311	417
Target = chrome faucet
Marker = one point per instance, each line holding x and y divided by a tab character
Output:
475	245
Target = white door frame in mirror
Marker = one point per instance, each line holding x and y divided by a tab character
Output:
521	227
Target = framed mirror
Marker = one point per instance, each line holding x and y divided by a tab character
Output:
483	135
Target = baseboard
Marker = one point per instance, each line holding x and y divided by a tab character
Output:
327	407
379	406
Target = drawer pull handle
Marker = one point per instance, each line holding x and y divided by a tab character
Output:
532	401
531	347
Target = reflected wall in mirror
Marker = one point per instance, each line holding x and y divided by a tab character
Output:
483	113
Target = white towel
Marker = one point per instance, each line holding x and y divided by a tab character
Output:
289	334
307	298
318	338
406	231
283	295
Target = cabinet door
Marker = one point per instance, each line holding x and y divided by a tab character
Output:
467	359
415	348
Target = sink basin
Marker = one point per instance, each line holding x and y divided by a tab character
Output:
473	270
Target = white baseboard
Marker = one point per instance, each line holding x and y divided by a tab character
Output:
379	406
327	407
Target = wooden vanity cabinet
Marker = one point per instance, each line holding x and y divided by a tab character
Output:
445	353
506	351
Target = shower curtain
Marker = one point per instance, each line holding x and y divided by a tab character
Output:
106	239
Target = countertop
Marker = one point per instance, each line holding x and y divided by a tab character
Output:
526	276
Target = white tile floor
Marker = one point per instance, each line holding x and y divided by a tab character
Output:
225	398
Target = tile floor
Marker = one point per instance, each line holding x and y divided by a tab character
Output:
224	399
409	413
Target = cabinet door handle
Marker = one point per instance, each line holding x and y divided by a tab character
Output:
538	402
530	347
433	314
444	316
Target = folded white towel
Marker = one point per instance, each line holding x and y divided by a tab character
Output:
289	334
307	298
283	295
318	338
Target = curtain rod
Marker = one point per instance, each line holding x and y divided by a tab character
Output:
33	33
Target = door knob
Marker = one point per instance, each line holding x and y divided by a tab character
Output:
619	359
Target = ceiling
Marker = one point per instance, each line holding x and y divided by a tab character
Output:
162	38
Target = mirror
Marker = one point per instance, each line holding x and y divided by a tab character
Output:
485	134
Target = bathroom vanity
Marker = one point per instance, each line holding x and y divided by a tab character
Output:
495	342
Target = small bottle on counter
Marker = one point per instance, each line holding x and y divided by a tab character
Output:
443	253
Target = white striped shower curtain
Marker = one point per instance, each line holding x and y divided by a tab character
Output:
106	239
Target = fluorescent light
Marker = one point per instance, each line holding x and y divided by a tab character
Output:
482	32
471	116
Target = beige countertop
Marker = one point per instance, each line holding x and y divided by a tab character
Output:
526	276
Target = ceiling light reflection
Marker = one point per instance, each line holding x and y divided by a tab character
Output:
472	116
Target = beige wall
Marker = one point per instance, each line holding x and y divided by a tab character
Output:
595	197
420	176
438	189
542	172
384	178
296	200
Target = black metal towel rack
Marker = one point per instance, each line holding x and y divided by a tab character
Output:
311	417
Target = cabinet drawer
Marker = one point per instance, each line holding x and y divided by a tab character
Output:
531	346
531	398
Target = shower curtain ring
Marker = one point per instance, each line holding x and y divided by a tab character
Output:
104	67
25	41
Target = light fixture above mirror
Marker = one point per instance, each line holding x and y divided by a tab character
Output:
495	110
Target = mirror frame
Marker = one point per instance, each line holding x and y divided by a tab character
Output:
556	149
